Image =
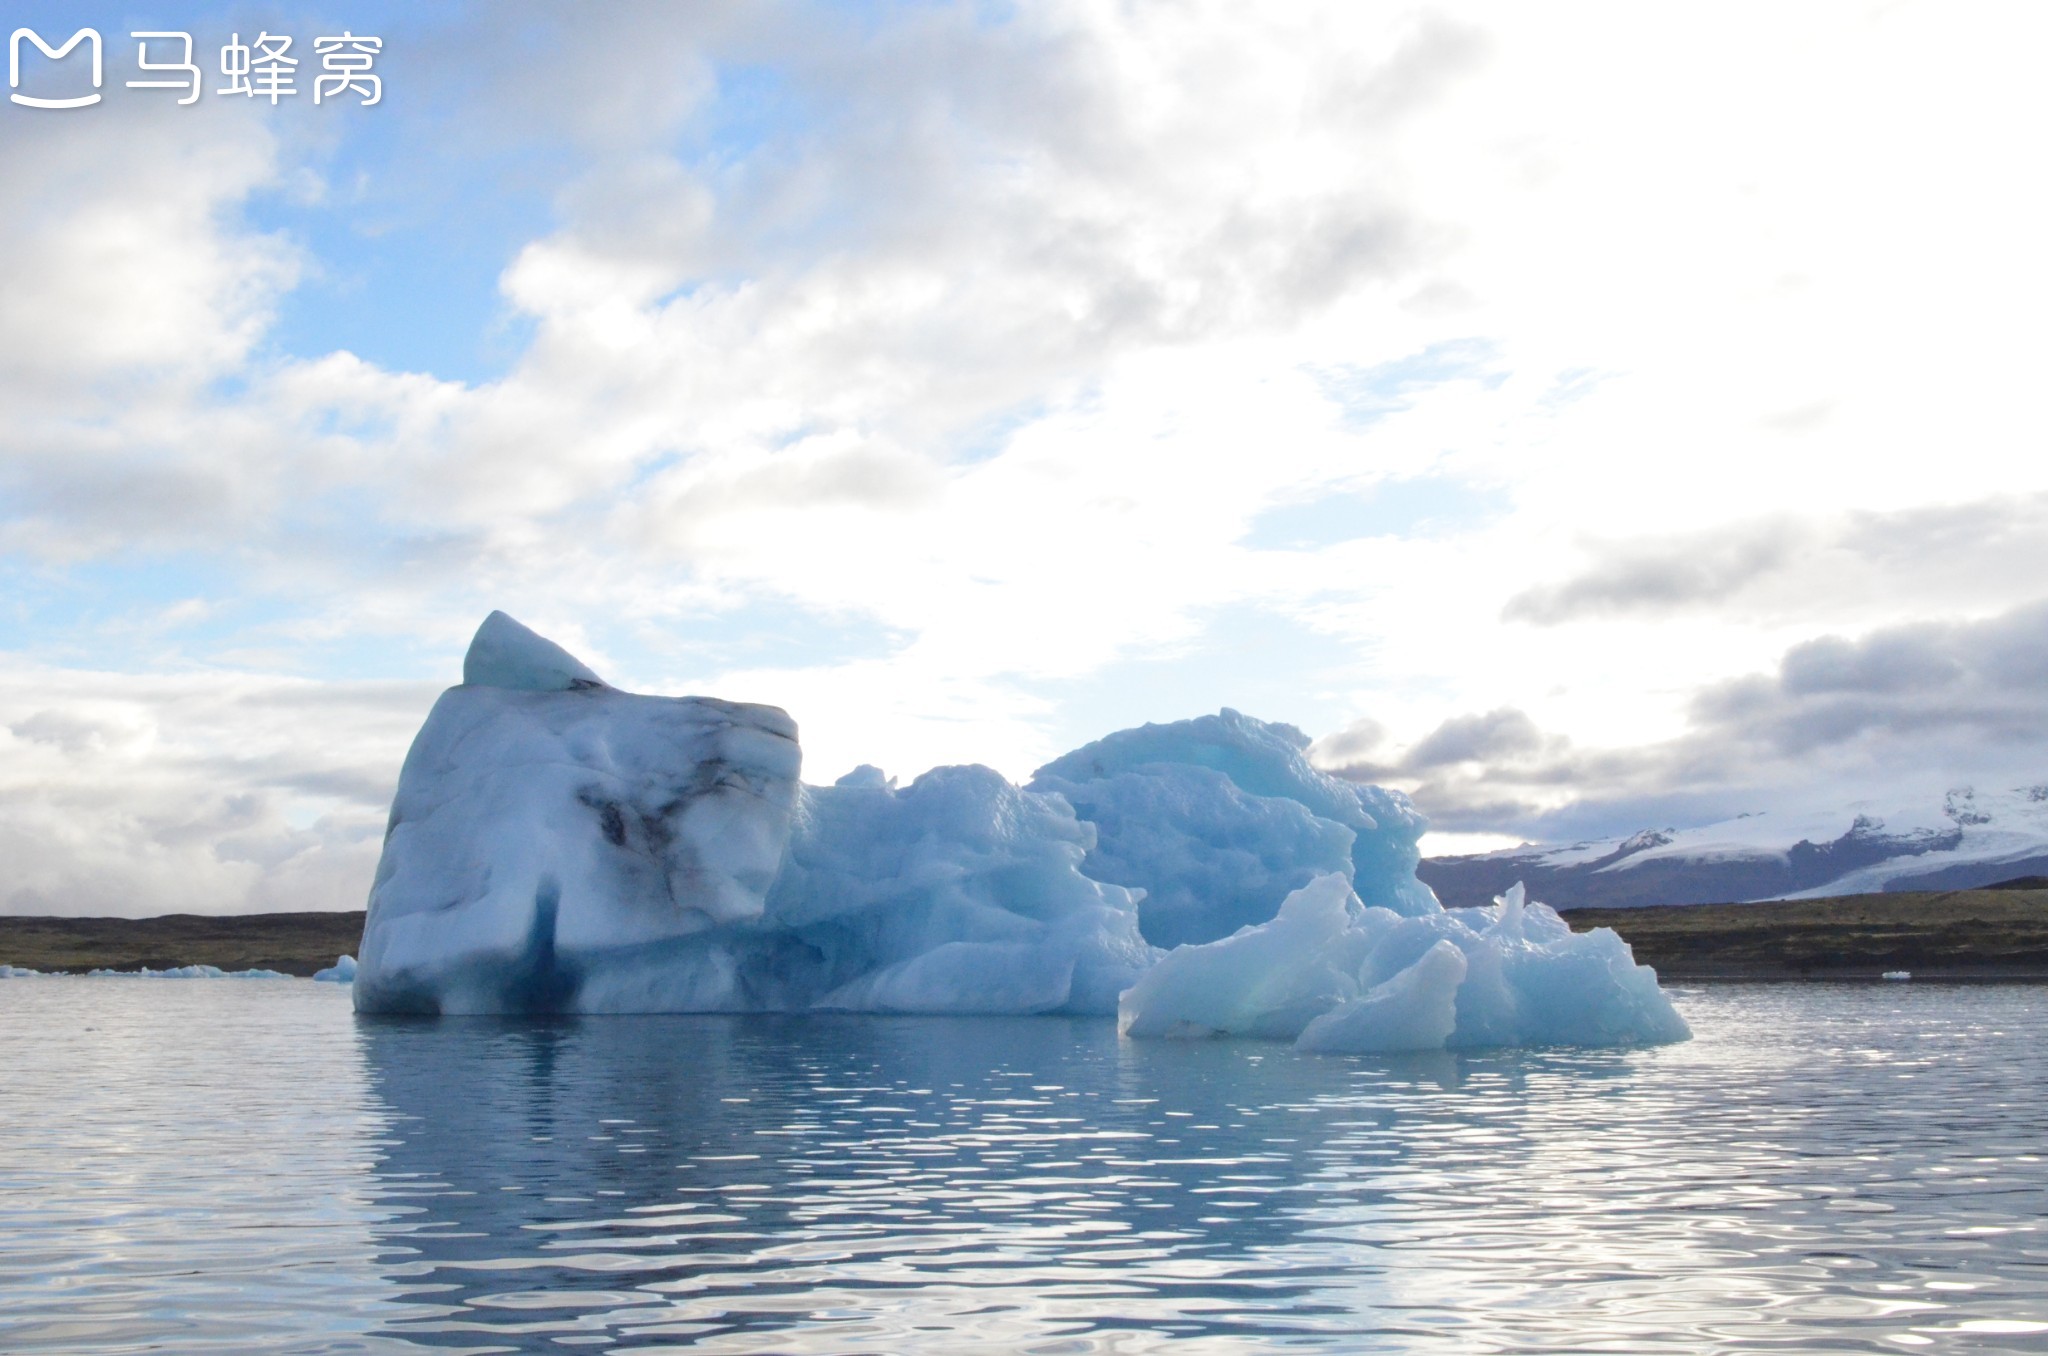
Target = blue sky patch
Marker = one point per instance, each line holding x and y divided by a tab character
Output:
1418	507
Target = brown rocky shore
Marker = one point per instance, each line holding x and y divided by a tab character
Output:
1996	933
294	943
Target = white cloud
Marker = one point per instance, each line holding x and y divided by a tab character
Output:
119	266
194	792
996	336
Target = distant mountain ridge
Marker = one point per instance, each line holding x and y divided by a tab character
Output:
1961	840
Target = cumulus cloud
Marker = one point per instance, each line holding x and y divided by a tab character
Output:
989	335
119	268
963	223
130	290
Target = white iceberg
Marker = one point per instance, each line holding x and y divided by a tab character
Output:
1332	974
19	972
557	845
547	825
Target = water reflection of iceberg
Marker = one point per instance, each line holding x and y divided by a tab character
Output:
863	1183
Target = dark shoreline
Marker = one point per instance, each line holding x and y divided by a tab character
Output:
292	943
1999	934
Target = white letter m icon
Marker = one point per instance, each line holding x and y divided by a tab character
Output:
54	54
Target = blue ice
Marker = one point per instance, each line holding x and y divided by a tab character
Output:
556	844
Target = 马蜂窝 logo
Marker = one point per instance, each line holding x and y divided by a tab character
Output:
263	69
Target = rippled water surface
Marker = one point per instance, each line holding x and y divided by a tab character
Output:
216	1166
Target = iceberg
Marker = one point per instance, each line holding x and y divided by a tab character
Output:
19	972
548	828
1335	975
558	845
343	971
958	893
1219	818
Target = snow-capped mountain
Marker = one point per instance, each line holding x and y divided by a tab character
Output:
1963	839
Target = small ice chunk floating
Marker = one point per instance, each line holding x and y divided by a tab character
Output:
186	972
343	971
557	845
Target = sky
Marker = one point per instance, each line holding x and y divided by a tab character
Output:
1585	418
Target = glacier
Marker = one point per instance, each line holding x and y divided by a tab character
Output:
558	845
1952	838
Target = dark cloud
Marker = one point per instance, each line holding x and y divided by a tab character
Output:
1982	681
1892	662
1351	745
1951	700
1504	733
1936	551
1641	577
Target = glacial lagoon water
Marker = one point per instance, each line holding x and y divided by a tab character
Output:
226	1166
